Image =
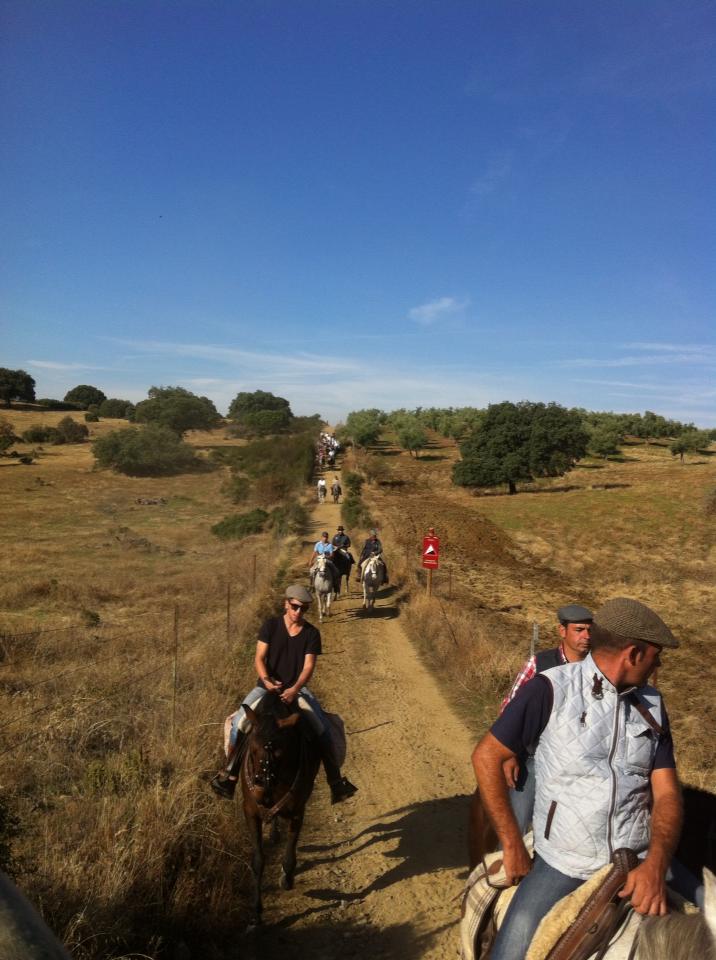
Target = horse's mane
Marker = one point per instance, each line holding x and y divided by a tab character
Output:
677	936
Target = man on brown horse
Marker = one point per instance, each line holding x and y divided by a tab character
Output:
285	660
604	770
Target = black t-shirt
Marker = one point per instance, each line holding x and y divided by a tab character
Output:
521	723
286	654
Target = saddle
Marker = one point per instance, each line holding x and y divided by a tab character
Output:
599	914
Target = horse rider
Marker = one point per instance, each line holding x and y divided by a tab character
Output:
575	622
285	660
336	490
605	775
341	540
372	548
321	489
323	548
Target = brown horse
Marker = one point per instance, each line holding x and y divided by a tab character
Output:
277	774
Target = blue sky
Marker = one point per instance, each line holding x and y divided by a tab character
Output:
361	202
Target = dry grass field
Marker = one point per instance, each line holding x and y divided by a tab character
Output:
126	629
637	526
103	753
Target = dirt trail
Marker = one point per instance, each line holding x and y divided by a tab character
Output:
379	875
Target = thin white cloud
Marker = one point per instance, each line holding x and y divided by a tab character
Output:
56	365
429	313
653	355
288	359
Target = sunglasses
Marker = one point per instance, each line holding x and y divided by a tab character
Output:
298	606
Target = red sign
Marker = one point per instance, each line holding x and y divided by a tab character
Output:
431	552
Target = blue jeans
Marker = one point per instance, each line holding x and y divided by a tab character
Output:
522	797
536	895
307	703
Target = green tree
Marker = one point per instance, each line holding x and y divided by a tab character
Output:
152	450
178	409
260	412
7	435
690	442
605	440
115	409
519	442
363	426
411	436
16	385
85	395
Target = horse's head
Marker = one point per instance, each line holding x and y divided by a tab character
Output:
272	748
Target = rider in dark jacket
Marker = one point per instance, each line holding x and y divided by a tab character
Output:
371	548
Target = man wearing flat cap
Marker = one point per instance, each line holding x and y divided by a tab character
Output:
285	660
575	622
604	772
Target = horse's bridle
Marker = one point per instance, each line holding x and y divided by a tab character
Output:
265	776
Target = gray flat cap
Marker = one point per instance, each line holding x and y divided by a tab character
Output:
634	620
573	613
298	592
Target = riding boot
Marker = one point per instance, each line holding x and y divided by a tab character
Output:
224	783
340	786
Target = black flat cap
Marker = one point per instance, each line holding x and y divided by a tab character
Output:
634	620
573	613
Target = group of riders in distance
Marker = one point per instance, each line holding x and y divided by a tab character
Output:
581	755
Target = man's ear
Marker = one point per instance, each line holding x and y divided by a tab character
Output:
562	631
634	655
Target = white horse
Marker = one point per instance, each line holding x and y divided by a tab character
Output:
373	576
323	587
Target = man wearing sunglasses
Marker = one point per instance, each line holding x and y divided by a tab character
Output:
285	659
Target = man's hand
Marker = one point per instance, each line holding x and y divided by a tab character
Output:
273	686
289	695
646	887
511	770
516	862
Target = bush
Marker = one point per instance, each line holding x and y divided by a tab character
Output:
240	525
290	518
7	435
353	482
91	418
237	489
115	409
149	451
41	434
354	513
71	431
59	405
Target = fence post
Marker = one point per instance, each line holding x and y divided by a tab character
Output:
175	669
228	613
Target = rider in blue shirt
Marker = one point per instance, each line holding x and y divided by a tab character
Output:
323	548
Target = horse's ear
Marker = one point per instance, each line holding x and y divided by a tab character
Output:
250	715
289	721
710	900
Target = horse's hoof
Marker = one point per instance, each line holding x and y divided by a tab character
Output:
286	882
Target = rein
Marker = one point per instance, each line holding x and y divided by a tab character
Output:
267	814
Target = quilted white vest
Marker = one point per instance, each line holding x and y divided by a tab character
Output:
592	768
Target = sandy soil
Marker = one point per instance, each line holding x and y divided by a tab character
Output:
382	873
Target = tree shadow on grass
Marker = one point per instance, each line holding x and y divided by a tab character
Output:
429	457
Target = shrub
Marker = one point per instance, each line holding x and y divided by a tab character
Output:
7	435
59	404
71	431
289	518
240	525
353	482
91	418
237	489
115	409
41	434
153	450
354	513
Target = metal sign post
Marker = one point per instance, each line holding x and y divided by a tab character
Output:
431	556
